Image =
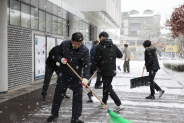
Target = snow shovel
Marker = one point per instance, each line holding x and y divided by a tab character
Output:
114	118
119	65
90	93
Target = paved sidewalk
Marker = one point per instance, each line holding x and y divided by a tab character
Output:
29	108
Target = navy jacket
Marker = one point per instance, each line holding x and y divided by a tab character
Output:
78	59
50	60
151	60
106	53
92	54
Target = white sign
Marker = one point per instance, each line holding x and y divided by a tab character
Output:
51	42
39	56
59	41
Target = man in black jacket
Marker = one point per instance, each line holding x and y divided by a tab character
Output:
51	66
106	53
93	68
76	54
152	66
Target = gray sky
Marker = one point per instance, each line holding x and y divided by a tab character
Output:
163	7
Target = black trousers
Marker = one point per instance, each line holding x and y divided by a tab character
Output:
92	70
107	89
60	91
153	85
48	75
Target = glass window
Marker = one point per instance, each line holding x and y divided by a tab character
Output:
87	32
60	26
25	16
139	42
54	24
34	18
14	12
60	12
42	4
34	3
49	7
41	20
65	28
130	42
135	21
55	10
134	29
64	14
48	22
8	12
26	1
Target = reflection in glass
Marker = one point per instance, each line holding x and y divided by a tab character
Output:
64	14
60	12
48	22
55	9
25	16
42	4
8	13
26	1
60	26
34	3
41	20
14	12
65	28
54	24
34	18
49	7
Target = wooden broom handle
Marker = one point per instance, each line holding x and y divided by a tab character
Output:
142	72
87	86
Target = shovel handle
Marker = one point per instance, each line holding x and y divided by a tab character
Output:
142	72
87	86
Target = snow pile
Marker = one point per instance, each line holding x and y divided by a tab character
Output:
177	65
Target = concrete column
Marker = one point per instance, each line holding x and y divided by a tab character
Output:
3	47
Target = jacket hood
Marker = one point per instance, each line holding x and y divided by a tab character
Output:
151	47
106	42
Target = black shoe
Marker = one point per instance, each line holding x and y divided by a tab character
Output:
52	118
98	87
161	92
76	121
150	97
44	98
65	96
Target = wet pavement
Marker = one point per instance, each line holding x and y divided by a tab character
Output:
24	105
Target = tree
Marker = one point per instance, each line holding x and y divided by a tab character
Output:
149	31
176	25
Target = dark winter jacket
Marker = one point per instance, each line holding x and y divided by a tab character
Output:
50	60
92	54
151	60
106	53
77	59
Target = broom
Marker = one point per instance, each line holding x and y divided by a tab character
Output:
114	118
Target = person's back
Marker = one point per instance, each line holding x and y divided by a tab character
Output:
106	54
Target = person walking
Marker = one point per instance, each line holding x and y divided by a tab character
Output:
76	54
93	68
106	53
152	66
51	67
126	65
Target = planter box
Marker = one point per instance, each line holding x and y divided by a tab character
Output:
177	65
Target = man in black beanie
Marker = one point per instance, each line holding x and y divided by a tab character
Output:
152	66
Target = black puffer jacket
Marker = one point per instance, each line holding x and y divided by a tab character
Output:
77	59
106	53
151	60
50	60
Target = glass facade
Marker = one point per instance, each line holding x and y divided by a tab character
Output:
44	16
25	16
140	42
14	13
130	42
